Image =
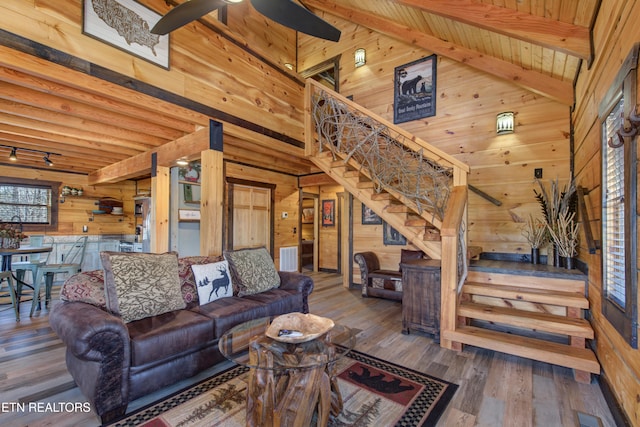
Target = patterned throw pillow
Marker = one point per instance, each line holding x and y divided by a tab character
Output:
140	285
252	270
188	281
87	286
213	281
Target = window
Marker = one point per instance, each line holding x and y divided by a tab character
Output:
619	202
30	203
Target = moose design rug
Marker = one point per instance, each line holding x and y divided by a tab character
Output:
375	393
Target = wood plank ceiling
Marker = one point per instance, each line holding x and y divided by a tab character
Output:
539	44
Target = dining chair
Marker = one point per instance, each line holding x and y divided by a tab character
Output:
71	264
33	262
12	293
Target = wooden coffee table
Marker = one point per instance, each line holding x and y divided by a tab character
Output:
288	383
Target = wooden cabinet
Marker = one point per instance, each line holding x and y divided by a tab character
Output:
421	297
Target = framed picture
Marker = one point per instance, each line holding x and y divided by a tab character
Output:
126	25
391	236
369	216
307	215
328	213
415	90
191	193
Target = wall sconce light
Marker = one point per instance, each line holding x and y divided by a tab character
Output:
288	66
360	57
13	157
505	123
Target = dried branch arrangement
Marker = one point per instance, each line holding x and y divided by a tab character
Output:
565	234
535	231
381	151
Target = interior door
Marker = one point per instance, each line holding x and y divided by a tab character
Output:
251	217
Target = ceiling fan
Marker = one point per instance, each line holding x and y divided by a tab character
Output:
284	12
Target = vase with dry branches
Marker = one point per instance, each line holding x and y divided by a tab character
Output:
555	203
535	231
565	237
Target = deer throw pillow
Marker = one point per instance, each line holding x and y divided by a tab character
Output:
213	281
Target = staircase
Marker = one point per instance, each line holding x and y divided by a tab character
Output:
501	308
518	309
422	230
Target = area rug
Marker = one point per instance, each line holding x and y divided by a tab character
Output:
375	393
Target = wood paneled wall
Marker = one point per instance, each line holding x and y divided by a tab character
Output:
614	34
466	107
72	214
205	66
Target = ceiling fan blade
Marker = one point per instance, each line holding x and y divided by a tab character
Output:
185	13
296	17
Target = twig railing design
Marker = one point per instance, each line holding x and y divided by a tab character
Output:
384	154
421	176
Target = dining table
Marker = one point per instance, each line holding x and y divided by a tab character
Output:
8	253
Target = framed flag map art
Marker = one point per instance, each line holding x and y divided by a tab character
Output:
126	25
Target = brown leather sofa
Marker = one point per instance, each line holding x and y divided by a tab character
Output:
114	363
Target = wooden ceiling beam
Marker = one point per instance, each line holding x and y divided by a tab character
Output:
66	92
533	81
106	133
140	165
557	35
32	129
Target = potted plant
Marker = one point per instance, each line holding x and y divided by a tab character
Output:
535	231
565	237
10	237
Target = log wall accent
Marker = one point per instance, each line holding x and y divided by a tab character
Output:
464	126
614	34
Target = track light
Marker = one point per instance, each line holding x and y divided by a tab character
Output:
13	156
46	160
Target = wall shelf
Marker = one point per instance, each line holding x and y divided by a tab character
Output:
106	217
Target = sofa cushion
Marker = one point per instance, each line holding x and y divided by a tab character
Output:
278	301
169	334
252	270
213	281
86	286
229	312
140	285
187	280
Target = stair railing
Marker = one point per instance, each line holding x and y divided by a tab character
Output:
394	159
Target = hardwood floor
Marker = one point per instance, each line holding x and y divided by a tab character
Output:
495	389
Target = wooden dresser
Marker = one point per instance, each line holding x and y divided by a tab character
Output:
421	297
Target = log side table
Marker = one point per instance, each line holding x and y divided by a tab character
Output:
288	383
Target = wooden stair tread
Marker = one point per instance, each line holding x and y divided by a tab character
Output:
351	174
543	296
578	358
382	196
364	184
527	319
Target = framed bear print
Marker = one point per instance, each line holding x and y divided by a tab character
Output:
415	90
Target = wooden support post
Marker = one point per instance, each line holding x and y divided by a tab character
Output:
160	190
212	193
